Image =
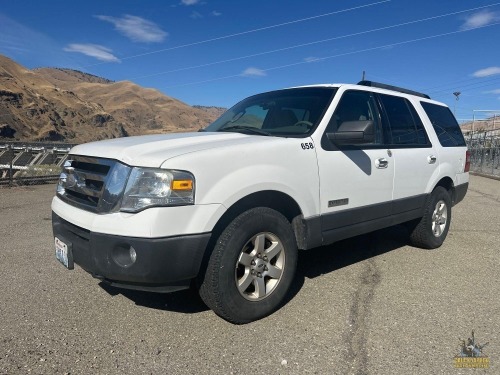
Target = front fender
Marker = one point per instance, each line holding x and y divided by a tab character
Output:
227	174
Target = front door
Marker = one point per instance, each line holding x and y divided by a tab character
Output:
356	183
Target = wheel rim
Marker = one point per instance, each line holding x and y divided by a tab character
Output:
260	266
439	218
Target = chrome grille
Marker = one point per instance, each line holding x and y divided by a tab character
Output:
93	184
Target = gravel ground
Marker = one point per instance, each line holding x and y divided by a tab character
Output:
368	305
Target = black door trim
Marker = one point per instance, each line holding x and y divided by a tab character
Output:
352	222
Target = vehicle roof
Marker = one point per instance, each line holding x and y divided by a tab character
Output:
374	89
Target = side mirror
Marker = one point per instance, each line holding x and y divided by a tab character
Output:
353	133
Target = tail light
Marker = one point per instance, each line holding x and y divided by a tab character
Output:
467	161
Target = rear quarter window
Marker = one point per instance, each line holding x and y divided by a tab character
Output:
445	125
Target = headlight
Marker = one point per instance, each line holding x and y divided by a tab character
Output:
147	187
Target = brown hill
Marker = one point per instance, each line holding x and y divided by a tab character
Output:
488	124
214	111
64	76
67	105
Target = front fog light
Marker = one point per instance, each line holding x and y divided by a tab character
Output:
124	255
133	254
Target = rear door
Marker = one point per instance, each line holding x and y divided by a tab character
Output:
416	162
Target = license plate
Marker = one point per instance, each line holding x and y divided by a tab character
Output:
64	253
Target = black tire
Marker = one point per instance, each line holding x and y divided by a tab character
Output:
430	231
232	285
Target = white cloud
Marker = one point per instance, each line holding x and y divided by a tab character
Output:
93	50
195	15
216	14
479	19
136	28
253	72
311	59
189	2
497	91
492	70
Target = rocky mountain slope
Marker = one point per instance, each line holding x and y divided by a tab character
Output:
488	124
214	111
56	104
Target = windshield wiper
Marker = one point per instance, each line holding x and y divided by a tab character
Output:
243	128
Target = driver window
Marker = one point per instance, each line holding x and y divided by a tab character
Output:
355	106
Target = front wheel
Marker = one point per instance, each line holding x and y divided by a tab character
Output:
430	231
252	266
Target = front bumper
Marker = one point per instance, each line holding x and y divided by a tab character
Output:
161	264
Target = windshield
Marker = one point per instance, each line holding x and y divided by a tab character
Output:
287	113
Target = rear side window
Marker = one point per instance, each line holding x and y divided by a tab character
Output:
404	123
444	123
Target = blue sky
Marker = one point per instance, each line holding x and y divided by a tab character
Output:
218	52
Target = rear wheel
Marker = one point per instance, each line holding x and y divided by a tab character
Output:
430	231
252	266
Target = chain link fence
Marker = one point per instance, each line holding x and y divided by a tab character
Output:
24	163
484	146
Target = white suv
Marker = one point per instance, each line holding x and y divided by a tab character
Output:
227	208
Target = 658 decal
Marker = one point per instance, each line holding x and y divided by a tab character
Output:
307	146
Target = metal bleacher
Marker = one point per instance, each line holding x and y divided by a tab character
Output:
24	161
4	156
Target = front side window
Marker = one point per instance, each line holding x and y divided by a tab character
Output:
356	106
291	112
404	124
445	125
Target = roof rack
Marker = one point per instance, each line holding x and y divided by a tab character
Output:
393	88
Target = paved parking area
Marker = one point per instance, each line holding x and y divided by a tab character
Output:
368	305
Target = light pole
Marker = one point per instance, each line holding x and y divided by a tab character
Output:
457	94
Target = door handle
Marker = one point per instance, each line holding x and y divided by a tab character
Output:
381	163
431	159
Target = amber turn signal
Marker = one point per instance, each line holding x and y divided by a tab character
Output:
182	185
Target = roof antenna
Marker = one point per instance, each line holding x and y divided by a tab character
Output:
363	78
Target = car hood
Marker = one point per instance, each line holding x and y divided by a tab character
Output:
154	150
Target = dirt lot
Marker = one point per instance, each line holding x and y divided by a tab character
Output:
369	305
